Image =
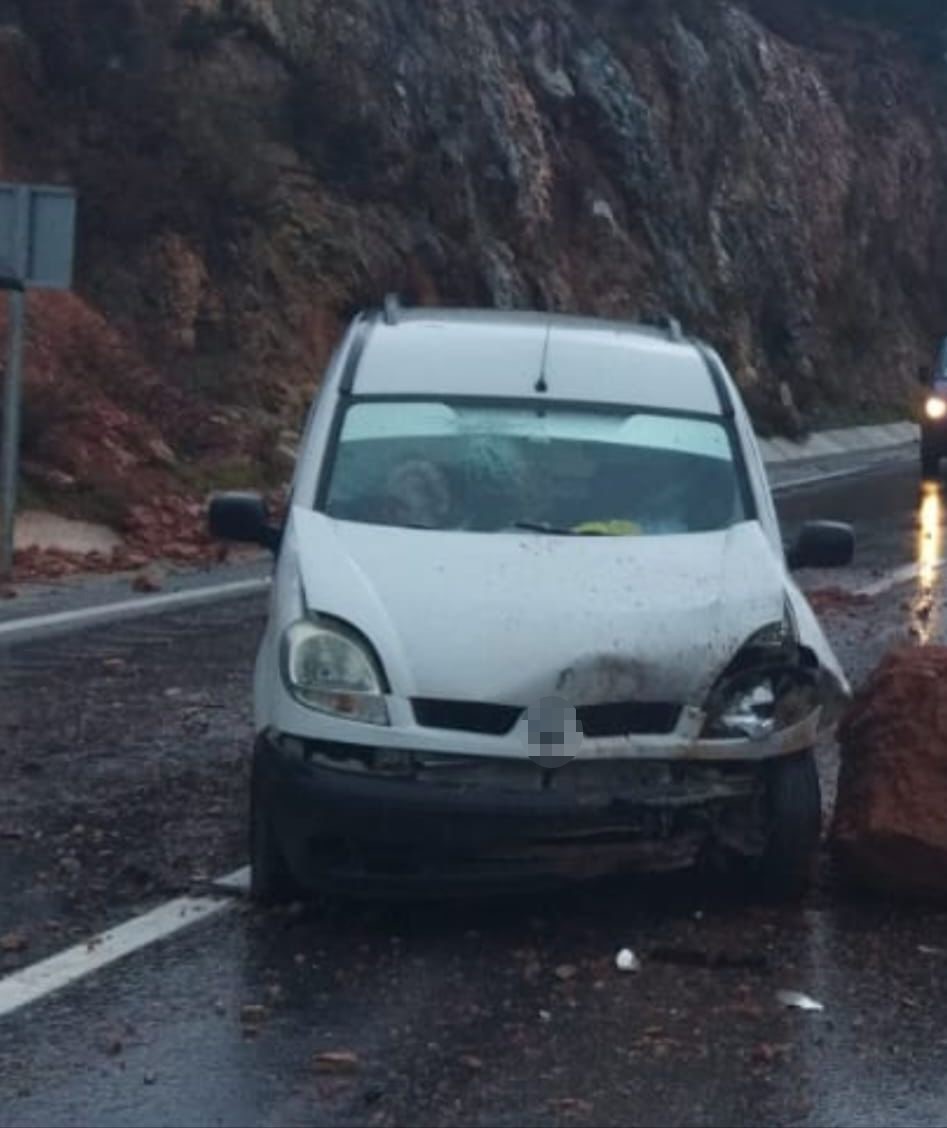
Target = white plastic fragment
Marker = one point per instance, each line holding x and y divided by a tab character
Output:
626	960
799	1001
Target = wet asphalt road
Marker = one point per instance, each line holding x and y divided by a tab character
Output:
499	1012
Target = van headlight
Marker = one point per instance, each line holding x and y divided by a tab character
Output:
327	667
935	408
765	690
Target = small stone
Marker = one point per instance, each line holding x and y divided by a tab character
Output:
565	972
252	1014
471	1061
149	579
13	942
161	452
336	1061
626	960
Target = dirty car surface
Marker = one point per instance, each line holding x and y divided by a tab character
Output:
532	617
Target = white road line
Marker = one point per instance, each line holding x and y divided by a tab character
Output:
35	982
236	882
819	479
41	626
896	578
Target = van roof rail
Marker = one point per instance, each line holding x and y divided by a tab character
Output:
392	307
672	327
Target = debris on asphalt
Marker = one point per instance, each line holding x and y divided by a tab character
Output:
471	1061
830	598
571	1104
890	825
150	579
336	1061
565	972
545	1016
14	942
927	950
252	1014
766	1053
717	961
626	960
799	1001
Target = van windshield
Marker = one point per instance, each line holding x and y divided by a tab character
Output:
493	468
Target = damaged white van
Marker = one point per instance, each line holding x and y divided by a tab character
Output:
531	618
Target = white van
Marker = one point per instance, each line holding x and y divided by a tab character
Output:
531	618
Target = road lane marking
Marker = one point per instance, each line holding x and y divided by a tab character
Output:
818	479
897	577
30	984
236	882
37	627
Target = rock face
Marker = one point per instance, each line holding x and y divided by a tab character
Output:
890	826
252	170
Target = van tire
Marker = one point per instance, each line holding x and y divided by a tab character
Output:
794	815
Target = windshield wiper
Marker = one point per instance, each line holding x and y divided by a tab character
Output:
553	530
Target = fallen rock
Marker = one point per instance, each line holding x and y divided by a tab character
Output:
890	825
832	598
148	580
336	1061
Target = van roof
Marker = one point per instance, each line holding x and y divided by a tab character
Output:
501	354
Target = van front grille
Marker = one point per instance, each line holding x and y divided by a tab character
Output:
628	718
466	716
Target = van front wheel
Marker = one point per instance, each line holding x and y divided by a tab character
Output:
794	814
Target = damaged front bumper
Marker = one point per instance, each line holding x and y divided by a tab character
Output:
364	818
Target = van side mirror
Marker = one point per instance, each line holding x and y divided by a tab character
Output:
822	544
242	517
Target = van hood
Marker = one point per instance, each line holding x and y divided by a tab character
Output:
510	618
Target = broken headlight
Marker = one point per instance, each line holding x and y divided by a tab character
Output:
327	667
765	690
757	704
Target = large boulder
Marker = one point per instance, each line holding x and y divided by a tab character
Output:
890	826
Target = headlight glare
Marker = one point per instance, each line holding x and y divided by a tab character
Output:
327	669
935	408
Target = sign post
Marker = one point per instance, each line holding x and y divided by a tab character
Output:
37	241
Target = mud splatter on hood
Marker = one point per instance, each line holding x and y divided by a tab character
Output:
509	618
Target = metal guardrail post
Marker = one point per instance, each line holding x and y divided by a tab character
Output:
13	385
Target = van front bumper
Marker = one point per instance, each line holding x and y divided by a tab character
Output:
367	820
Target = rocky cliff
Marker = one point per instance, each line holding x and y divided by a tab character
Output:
252	170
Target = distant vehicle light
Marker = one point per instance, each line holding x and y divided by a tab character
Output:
936	408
